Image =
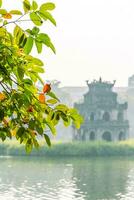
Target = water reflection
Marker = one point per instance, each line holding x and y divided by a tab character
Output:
66	179
37	179
103	178
129	190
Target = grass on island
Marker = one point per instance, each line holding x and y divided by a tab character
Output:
87	149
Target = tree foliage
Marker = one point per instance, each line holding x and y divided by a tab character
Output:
25	110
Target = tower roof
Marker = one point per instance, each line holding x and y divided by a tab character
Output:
100	84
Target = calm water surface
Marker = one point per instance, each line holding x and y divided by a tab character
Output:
66	179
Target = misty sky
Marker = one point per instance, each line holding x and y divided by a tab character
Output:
93	38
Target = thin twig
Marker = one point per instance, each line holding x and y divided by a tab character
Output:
15	21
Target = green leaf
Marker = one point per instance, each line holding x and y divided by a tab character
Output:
51	126
26	5
37	62
0	3
55	117
52	101
3	70
62	108
2	33
39	129
29	45
52	47
29	146
66	120
20	73
29	31
2	135
45	39
35	30
35	70
36	19
64	117
38	69
77	124
34	5
32	124
3	11
19	36
47	140
23	43
22	40
1	114
40	79
15	12
47	6
27	81
51	94
38	46
20	131
46	15
36	144
5	22
8	133
16	31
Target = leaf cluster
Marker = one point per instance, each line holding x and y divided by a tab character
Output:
22	113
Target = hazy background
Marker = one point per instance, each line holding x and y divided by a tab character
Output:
93	38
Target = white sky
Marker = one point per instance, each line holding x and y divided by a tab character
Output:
93	38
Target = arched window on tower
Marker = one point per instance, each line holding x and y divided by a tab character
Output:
92	136
106	116
107	136
120	116
121	136
83	136
92	117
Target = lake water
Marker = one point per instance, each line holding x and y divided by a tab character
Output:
66	179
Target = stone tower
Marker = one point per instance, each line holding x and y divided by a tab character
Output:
104	117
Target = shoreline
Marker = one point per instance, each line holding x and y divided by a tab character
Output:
71	149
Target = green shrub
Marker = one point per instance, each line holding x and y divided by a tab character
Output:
87	149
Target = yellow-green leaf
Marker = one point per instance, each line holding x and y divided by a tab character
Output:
52	47
51	94
38	46
46	15
47	140
62	108
29	146
34	5
16	30
26	5
52	101
28	46
20	71
36	19
47	6
51	126
2	31
45	39
38	69
37	62
18	34
15	12
3	11
34	60
0	3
